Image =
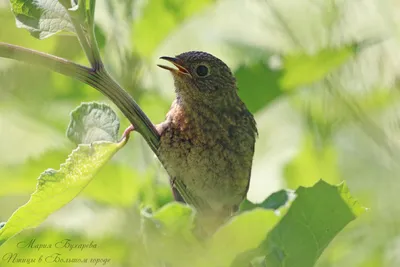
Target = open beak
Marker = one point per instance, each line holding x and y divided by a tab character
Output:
180	69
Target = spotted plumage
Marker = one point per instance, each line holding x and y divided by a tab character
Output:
207	140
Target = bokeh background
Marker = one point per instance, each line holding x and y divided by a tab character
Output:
319	75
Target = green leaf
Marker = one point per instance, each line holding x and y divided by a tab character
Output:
176	217
116	184
303	69
168	234
160	18
274	201
42	18
242	233
93	122
56	188
258	85
315	217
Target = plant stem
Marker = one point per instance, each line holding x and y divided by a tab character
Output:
85	43
95	50
84	29
99	79
54	63
92	9
103	82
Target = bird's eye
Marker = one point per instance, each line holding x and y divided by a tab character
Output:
202	70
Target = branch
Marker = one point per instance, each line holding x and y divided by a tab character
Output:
103	82
99	79
51	62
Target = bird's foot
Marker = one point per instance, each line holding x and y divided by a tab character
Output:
161	127
127	132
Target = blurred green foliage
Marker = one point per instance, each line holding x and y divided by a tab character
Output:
264	84
160	18
324	111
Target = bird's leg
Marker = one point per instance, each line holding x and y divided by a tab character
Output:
159	127
127	132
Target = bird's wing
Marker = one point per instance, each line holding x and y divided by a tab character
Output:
182	194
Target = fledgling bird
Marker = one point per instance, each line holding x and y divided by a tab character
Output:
207	140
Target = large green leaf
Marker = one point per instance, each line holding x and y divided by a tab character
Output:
158	19
56	188
316	216
306	227
42	18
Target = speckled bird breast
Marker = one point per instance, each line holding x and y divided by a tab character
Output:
211	153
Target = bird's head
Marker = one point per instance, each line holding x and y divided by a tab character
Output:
201	77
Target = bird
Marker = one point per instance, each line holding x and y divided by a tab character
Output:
208	137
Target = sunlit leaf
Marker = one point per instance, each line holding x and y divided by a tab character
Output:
42	18
258	222
315	217
93	122
303	69
56	188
